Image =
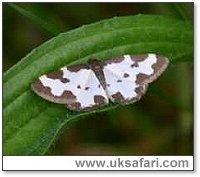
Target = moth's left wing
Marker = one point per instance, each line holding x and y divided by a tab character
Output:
127	77
76	86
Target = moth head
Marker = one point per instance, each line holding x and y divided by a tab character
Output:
95	64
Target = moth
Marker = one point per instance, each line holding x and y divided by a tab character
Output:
89	86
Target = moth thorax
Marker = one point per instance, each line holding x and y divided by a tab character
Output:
95	64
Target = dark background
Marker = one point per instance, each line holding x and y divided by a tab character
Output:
161	123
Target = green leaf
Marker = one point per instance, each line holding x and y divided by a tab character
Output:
177	10
30	124
52	29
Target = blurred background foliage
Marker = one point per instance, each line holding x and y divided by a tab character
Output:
161	123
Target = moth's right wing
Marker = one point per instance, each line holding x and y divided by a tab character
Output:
127	77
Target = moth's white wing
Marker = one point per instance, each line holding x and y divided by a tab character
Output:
127	77
77	87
